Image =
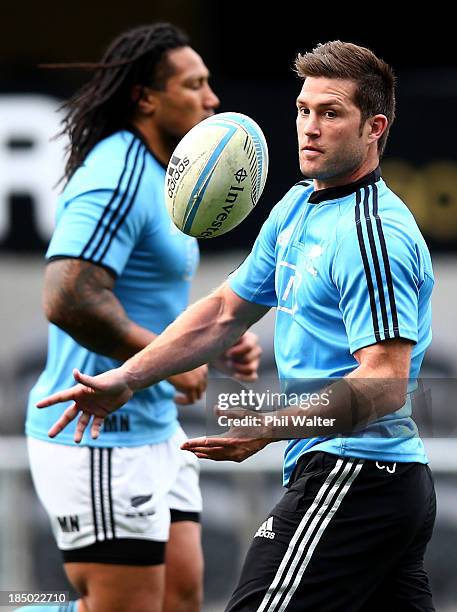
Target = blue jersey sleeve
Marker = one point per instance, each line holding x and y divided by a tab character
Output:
377	272
254	280
101	225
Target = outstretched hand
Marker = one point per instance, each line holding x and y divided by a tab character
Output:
236	444
225	448
95	397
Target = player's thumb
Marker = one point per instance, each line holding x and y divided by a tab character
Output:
84	379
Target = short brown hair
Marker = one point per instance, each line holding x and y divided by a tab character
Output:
375	80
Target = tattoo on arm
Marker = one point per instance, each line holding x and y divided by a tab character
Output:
78	297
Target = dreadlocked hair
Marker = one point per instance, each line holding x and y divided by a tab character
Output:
104	104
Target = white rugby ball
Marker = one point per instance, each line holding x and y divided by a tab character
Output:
216	175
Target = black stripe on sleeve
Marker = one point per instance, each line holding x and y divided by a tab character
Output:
126	211
83	254
109	269
115	211
377	267
366	266
385	258
92	488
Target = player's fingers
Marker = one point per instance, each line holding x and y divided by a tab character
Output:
244	351
207	449
56	398
247	354
203	371
200	390
231	413
249	367
81	425
193	442
182	400
216	454
97	424
67	417
194	394
200	383
248	377
206	443
202	455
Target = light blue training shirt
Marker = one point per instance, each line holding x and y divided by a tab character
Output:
112	213
346	267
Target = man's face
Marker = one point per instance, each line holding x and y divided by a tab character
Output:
187	98
331	142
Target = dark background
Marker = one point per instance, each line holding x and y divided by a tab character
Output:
249	48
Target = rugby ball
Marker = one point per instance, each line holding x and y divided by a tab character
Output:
216	175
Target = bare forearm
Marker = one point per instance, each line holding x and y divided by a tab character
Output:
198	336
339	409
376	388
78	298
106	329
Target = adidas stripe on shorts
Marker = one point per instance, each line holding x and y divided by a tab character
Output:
97	497
349	535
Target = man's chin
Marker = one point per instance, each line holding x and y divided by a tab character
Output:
309	171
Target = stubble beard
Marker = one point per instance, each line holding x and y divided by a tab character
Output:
344	164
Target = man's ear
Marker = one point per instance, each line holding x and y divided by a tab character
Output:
146	99
378	125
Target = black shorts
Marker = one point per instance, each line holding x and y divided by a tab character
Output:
127	551
349	535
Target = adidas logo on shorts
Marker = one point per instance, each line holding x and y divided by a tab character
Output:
266	530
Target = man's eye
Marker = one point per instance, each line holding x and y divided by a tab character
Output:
303	111
197	84
330	114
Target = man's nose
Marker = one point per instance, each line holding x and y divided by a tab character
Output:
210	99
311	126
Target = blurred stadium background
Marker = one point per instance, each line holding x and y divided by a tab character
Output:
251	74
